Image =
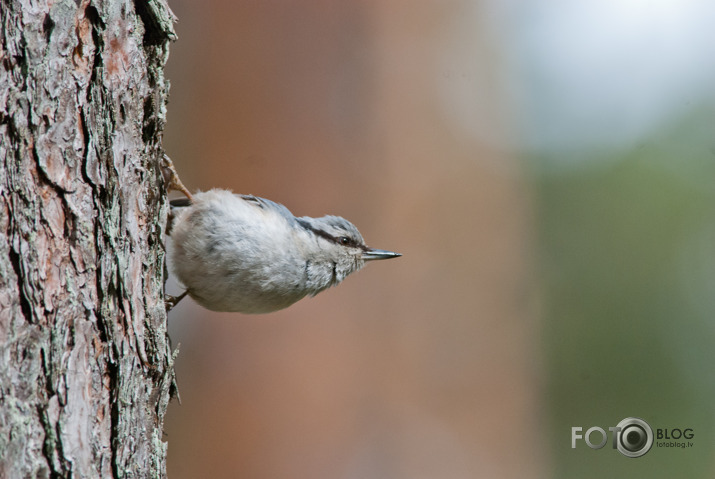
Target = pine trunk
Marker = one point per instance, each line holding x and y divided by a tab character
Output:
85	364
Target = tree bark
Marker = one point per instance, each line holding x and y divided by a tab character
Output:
86	371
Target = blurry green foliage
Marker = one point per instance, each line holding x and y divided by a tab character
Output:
628	278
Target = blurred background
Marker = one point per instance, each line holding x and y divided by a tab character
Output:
547	170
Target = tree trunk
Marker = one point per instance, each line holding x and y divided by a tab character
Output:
85	366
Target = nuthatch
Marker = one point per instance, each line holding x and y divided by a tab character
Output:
251	255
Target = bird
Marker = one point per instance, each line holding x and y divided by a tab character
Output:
242	253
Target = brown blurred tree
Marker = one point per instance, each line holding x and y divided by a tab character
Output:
85	366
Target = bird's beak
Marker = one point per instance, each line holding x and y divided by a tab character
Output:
372	253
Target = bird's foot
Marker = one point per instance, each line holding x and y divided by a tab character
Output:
171	301
172	177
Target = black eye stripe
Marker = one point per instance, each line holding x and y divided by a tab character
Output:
329	237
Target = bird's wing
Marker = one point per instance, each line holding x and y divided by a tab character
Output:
254	200
180	202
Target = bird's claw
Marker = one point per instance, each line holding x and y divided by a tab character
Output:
171	301
171	177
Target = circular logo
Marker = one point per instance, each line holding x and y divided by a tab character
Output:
634	438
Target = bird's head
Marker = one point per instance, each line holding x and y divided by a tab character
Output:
340	243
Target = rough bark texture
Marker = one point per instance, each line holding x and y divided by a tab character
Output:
85	366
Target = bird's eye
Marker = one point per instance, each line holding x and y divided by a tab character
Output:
344	240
